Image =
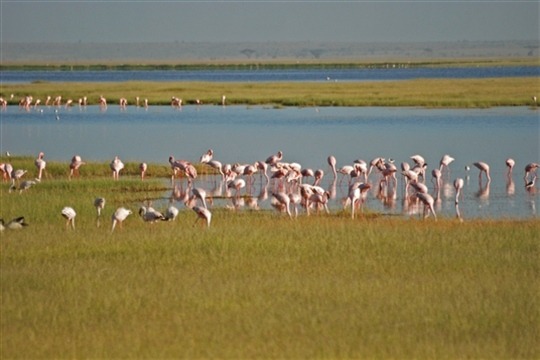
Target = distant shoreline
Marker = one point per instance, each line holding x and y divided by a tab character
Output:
251	53
266	65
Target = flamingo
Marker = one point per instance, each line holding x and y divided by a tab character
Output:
102	101
40	164
274	159
214	164
318	175
142	168
119	216
356	192
445	162
237	184
223	98
283	200
428	202
76	163
332	162
204	214
69	214
484	168
437	176
116	166
530	169
199	193
458	185
510	163
207	156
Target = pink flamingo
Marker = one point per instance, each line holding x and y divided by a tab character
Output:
74	165
484	168
69	214
116	166
204	214
142	168
40	164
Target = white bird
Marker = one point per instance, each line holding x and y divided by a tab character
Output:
272	160
510	163
142	168
119	216
207	156
484	168
199	193
445	162
15	224
428	202
356	192
458	185
204	214
116	166
332	162
40	164
237	184
283	201
74	165
69	214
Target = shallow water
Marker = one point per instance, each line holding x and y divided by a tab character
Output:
307	136
258	75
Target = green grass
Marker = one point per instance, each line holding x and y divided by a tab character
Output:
462	93
258	285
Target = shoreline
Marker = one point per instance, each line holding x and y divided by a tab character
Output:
429	93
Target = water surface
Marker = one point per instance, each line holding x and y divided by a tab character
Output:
240	134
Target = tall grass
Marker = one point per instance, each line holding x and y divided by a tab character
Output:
258	285
419	92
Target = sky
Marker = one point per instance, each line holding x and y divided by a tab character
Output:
267	21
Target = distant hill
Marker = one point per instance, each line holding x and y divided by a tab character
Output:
175	52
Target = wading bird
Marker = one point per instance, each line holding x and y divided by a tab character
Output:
510	163
445	162
142	168
428	202
204	214
75	165
484	168
116	166
69	214
119	216
40	165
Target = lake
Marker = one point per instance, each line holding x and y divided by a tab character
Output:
240	134
261	75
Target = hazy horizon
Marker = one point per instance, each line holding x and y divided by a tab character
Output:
261	21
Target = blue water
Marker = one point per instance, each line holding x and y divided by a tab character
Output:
256	75
240	134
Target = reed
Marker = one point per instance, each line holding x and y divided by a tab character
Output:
258	285
460	93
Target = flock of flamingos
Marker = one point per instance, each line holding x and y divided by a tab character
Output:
290	185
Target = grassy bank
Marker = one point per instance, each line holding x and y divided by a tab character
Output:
463	93
257	285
